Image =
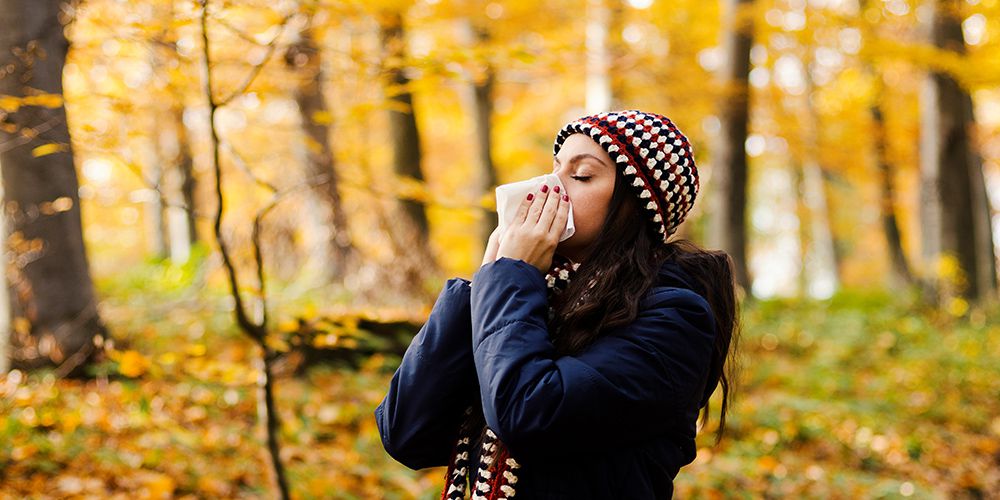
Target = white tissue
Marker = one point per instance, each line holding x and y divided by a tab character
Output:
509	196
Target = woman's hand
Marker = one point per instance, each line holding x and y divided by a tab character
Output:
491	246
534	233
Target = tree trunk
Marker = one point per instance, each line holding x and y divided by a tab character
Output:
901	274
982	211
824	272
419	262
185	167
338	253
598	82
4	306
156	203
821	263
729	199
50	277
177	187
406	151
948	215
483	116
482	87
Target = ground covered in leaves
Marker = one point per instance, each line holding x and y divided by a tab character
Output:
865	395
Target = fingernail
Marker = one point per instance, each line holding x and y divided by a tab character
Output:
530	196
545	188
556	189
565	197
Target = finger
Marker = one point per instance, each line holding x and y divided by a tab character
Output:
548	211
535	210
522	209
562	216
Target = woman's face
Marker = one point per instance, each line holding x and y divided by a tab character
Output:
588	174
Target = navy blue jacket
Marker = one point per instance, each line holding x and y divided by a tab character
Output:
614	421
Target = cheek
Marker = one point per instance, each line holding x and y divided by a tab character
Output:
587	215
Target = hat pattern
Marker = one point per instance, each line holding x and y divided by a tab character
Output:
653	155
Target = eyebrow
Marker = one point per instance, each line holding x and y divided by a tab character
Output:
579	157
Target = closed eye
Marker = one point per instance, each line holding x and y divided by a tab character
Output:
580	178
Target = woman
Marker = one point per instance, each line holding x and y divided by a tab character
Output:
575	369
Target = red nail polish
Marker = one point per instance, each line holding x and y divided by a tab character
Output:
555	189
530	196
545	188
565	197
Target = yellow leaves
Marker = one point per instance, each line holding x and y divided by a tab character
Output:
132	364
488	200
61	204
69	421
412	189
47	149
322	117
214	487
314	146
957	306
11	103
22	325
24	452
195	350
150	485
167	358
325	340
767	463
276	343
44	100
948	267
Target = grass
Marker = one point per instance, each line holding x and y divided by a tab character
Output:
865	395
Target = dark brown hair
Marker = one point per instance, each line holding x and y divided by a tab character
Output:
623	265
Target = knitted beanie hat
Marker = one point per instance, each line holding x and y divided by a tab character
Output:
653	155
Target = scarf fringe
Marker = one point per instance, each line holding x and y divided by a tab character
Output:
497	471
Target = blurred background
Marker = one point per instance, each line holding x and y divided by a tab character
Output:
225	220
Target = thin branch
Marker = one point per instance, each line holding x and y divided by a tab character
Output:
241	163
258	332
22	140
271	47
254	330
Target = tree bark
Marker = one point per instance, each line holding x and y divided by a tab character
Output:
901	273
475	34
185	167
419	261
986	263
338	253
406	150
50	281
822	253
946	187
729	199
598	82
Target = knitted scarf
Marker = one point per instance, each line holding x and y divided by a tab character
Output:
496	474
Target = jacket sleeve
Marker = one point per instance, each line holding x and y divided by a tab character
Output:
632	382
419	416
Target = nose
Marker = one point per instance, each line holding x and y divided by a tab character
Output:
563	179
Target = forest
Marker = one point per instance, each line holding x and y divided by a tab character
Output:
224	221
